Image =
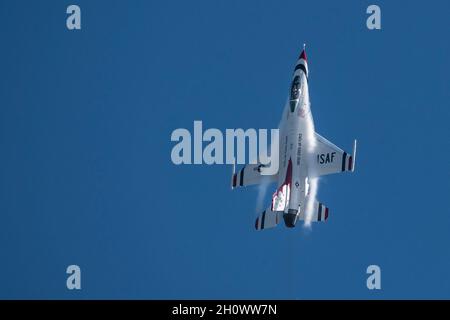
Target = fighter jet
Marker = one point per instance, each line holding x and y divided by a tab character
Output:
303	156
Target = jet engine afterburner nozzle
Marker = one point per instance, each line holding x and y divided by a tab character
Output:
290	218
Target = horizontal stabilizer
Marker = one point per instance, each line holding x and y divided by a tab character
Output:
319	212
268	219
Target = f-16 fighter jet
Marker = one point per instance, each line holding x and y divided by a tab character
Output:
303	156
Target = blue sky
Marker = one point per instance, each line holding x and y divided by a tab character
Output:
86	176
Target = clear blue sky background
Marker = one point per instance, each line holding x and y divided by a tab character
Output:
86	176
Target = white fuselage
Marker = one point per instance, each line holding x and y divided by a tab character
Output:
296	139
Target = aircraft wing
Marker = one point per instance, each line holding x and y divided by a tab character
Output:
331	159
250	175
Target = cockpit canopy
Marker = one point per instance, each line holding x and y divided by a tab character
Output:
295	92
295	88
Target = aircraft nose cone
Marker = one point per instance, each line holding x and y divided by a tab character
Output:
303	53
290	218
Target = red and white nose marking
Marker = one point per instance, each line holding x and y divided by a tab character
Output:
302	63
